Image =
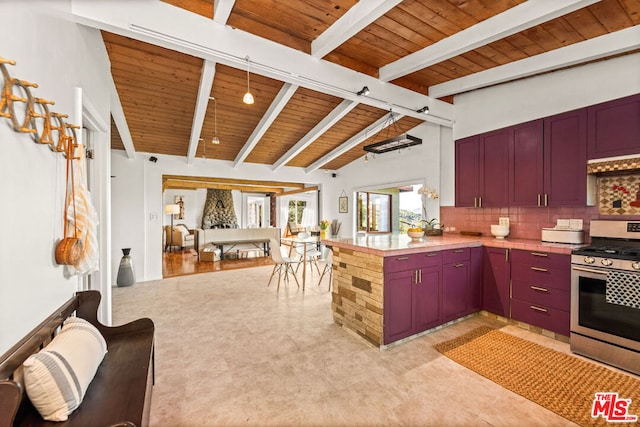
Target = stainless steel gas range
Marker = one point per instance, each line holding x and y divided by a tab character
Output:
605	295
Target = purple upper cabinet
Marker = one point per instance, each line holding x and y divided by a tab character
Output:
565	159
467	170
482	170
614	128
494	169
526	164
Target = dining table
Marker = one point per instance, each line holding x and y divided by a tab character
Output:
305	242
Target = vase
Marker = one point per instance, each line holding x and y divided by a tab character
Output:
126	276
323	234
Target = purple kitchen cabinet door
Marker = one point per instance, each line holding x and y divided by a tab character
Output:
614	128
526	164
495	281
426	298
467	170
455	285
494	169
565	159
398	305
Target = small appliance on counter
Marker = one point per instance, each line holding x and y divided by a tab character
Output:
565	231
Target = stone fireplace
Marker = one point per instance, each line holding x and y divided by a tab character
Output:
218	210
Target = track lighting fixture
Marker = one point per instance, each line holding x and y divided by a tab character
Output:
366	158
424	110
215	140
247	98
363	92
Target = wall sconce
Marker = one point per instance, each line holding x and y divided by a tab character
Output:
248	98
363	92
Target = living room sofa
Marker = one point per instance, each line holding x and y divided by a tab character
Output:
182	236
236	238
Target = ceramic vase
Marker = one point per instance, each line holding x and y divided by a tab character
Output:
126	276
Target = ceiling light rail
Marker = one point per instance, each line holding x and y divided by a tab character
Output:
241	61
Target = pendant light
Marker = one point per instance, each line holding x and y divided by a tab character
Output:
247	98
215	140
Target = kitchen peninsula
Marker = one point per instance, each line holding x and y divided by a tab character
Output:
389	287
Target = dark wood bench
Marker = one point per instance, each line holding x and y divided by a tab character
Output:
120	393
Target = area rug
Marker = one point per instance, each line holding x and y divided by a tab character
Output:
557	381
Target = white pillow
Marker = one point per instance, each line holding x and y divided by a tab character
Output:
57	377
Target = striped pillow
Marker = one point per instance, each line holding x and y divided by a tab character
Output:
57	377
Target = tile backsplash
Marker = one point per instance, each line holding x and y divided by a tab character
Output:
619	195
525	223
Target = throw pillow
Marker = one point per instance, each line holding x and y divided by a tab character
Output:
57	377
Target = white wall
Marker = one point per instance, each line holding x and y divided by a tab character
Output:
138	205
59	56
420	163
532	98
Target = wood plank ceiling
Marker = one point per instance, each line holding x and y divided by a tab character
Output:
158	87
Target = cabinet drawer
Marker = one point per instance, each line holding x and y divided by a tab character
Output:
455	255
401	262
558	278
543	317
541	259
542	296
431	259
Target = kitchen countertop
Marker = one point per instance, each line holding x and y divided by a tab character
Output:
400	244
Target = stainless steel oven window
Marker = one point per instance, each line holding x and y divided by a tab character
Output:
595	312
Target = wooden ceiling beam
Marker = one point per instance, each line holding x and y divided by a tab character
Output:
521	17
589	50
202	101
325	124
194	185
302	190
369	131
276	107
237	181
222	10
121	121
351	23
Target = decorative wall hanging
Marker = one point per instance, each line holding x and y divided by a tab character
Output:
179	200
31	115
343	203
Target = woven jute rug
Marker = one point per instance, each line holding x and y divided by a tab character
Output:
557	381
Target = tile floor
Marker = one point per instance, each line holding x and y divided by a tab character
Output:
231	351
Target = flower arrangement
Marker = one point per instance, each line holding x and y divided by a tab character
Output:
324	224
427	222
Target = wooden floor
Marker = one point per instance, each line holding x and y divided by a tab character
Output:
181	263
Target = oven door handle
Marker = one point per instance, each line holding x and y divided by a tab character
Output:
589	270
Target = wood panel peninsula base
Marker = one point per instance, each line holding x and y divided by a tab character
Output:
357	295
387	288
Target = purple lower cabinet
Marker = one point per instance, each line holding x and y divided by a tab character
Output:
426	298
543	317
495	281
398	305
455	284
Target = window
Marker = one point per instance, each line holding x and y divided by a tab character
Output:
255	211
296	209
374	212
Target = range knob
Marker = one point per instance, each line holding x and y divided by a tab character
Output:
589	259
606	262
635	265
